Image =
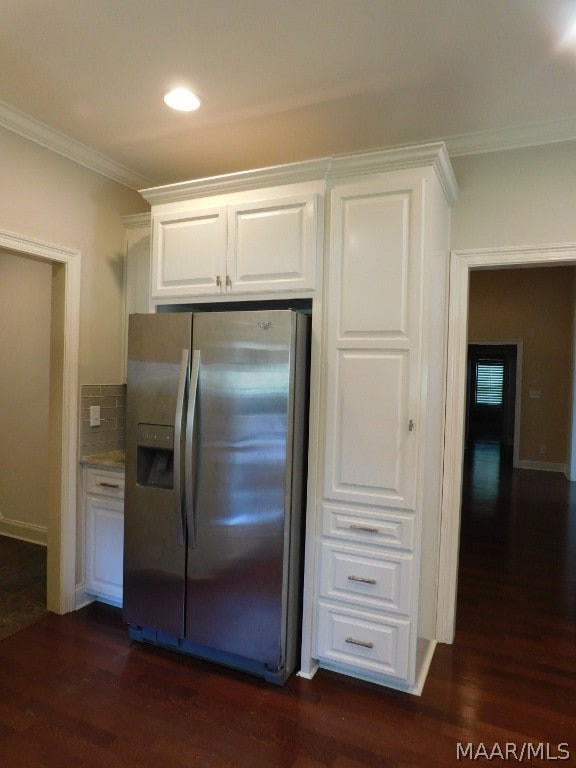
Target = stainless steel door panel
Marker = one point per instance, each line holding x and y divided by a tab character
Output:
154	554
236	570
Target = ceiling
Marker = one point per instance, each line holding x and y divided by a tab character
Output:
282	80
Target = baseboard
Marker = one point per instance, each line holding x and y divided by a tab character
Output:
309	674
82	598
35	534
542	466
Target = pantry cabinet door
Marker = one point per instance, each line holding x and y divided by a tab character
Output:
272	245
189	253
372	390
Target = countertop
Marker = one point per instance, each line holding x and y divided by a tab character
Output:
109	460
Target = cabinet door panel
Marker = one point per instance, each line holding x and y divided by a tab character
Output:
104	548
374	237
189	253
368	429
272	246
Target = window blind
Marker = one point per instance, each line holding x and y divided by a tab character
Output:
489	382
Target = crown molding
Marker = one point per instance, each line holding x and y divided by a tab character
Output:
292	173
462	145
136	220
28	128
518	137
323	169
399	158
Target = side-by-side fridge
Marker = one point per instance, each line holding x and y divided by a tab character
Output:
215	477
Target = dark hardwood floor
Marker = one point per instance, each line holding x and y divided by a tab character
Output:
75	692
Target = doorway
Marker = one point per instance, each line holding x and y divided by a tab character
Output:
63	417
491	393
462	262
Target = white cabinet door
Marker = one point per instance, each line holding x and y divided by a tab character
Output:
373	336
272	246
189	253
104	548
260	247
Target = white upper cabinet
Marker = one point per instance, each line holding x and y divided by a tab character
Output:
272	247
265	245
189	253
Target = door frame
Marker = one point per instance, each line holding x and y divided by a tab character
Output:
63	413
461	263
517	389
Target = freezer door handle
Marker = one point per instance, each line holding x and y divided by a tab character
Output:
182	381
189	450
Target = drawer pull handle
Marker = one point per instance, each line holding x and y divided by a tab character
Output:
109	485
363	643
365	528
362	579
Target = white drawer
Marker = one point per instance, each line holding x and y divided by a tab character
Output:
105	482
394	530
363	641
381	580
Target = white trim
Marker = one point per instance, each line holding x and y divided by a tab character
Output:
291	173
36	534
517	137
330	169
137	220
62	548
492	140
461	262
40	133
542	466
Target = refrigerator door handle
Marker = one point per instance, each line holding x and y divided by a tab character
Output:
189	450
179	417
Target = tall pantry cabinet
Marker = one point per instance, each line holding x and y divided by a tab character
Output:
385	313
365	238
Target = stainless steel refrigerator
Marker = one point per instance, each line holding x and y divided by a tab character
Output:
216	430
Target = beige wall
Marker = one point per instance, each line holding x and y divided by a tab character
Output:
25	299
50	198
514	198
520	197
534	306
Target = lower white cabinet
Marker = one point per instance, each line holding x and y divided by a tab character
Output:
104	516
365	578
357	641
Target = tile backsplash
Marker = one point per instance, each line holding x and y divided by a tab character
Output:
110	435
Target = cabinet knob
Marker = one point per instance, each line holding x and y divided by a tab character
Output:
218	281
228	281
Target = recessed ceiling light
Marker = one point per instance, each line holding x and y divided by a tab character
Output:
182	99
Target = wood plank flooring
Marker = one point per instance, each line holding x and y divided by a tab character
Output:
75	692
